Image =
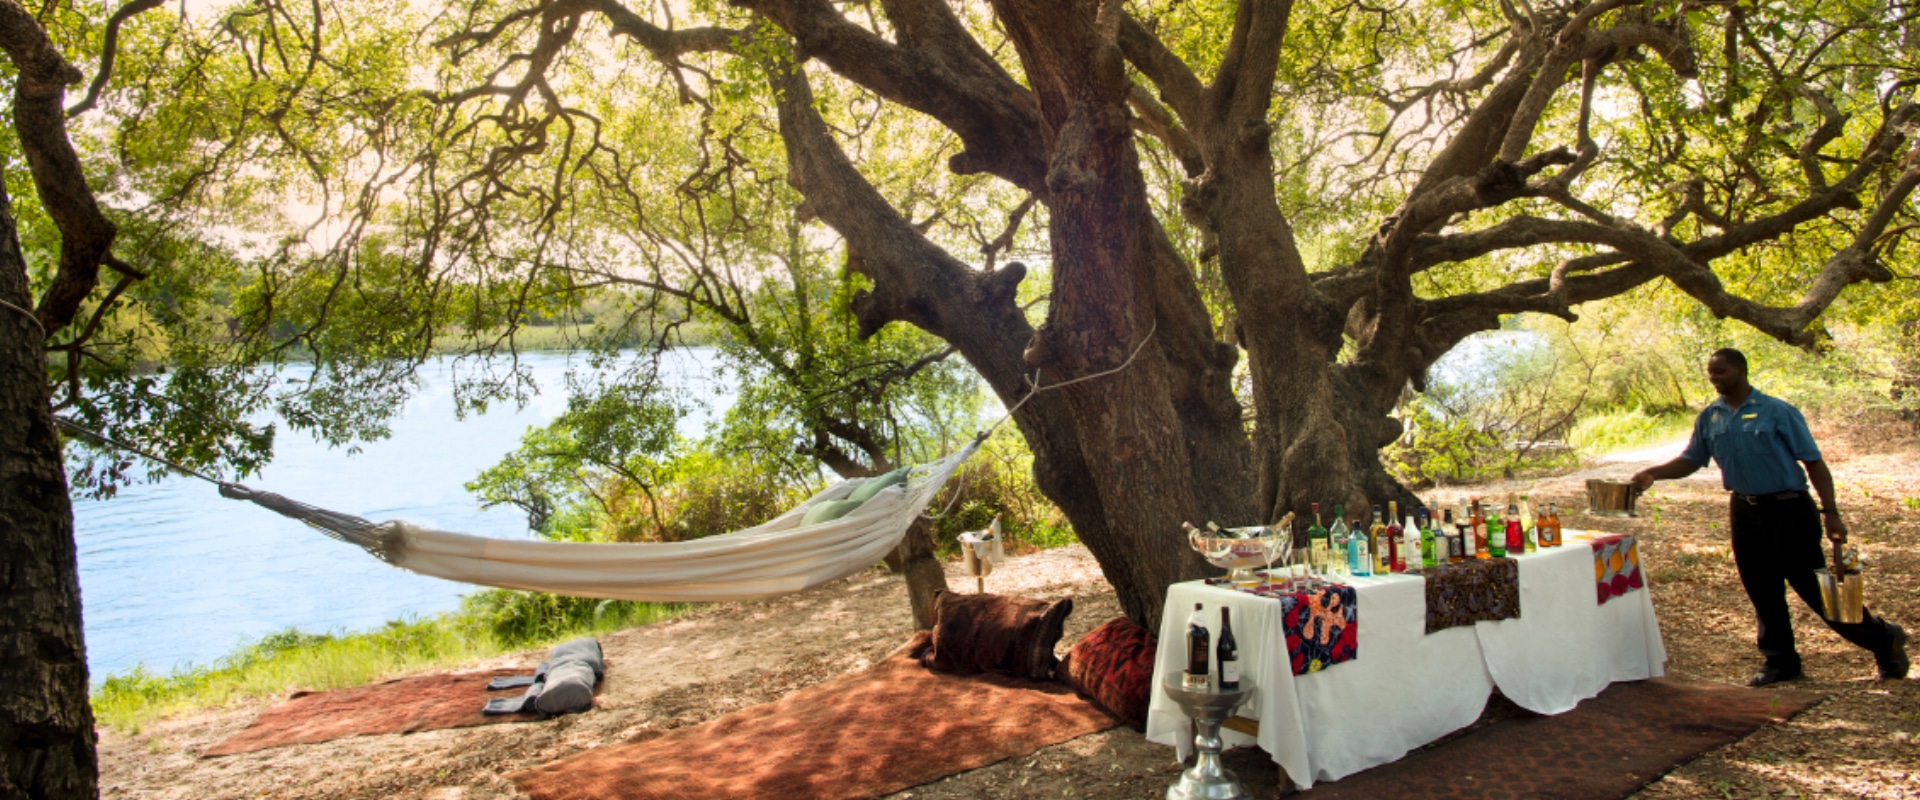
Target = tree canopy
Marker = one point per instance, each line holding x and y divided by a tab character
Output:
1296	206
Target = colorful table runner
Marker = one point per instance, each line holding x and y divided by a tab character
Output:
1322	625
1616	565
1472	591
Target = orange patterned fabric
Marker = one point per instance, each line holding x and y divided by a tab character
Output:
404	705
1616	566
1113	667
864	734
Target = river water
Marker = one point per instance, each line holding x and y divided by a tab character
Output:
172	574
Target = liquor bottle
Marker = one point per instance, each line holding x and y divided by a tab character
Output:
1516	535
1477	521
1397	534
1380	544
1197	647
1410	540
1529	524
1339	536
1317	544
1359	553
1467	544
1553	525
1429	559
1496	544
1227	653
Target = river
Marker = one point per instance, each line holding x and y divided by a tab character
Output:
172	574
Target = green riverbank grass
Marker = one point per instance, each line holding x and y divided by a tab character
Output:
489	623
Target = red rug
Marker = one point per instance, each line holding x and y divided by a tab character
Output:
1604	749
865	734
402	705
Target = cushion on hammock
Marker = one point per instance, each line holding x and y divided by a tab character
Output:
866	491
993	633
1113	667
828	511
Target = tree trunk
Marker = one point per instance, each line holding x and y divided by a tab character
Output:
926	577
46	724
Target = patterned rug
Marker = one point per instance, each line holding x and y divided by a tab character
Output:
403	705
1606	748
869	733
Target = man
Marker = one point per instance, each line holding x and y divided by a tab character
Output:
1775	526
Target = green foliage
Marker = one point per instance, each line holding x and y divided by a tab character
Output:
1631	429
998	481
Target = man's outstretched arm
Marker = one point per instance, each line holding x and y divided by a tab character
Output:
1672	470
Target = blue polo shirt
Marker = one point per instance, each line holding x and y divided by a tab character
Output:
1758	445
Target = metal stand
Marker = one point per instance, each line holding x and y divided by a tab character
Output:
1207	779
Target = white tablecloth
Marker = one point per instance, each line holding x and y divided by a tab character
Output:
1405	688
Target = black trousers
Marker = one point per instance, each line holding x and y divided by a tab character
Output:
1781	540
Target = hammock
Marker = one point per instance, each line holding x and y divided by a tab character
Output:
778	557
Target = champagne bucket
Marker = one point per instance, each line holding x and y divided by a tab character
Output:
1242	550
1611	498
1843	591
979	551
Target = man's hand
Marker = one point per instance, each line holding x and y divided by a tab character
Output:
1642	479
1836	527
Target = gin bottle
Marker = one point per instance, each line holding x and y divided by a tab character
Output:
1359	554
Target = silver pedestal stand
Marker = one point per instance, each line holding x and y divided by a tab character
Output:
1207	779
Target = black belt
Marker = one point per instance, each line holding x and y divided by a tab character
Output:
1757	499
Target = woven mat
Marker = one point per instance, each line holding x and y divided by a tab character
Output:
1606	748
403	705
869	733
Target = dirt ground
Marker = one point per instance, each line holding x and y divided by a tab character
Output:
1862	742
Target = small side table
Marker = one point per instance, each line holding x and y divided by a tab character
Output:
1207	779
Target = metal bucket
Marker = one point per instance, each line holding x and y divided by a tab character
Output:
1611	498
1843	591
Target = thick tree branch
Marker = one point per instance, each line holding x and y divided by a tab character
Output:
109	48
86	236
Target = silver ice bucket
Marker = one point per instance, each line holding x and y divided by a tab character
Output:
1611	498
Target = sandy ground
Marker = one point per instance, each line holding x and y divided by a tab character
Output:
1863	742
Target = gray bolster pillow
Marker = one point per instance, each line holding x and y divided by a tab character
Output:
568	689
585	650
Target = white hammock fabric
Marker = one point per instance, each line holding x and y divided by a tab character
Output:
775	558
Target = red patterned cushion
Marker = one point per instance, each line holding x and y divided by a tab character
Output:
1113	667
994	633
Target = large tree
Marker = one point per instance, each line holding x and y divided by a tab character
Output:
1340	192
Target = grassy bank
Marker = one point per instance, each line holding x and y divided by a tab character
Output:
489	623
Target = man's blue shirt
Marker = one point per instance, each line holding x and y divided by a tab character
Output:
1758	445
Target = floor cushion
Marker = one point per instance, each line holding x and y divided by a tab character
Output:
1113	667
994	633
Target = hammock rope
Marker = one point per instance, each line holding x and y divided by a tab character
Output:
781	556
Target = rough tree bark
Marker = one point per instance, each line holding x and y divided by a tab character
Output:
46	724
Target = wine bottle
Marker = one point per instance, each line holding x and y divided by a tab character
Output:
1465	522
1227	653
1318	545
1342	547
1197	647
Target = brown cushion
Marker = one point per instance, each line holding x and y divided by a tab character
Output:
1113	667
992	633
